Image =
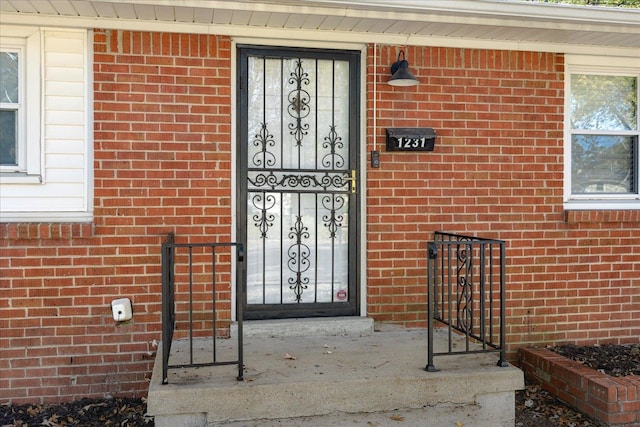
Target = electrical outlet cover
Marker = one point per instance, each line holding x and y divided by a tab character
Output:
121	309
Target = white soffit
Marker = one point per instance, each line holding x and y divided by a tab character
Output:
508	23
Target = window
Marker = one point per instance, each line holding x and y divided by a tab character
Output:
10	107
602	140
20	154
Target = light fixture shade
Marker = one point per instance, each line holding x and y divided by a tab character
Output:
400	74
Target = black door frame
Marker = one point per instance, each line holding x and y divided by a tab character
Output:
351	307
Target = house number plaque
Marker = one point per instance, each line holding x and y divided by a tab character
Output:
410	139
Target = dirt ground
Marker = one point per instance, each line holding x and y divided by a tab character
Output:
534	406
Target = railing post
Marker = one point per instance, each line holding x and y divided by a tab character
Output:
503	295
239	308
167	303
432	256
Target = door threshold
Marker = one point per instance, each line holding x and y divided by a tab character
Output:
306	327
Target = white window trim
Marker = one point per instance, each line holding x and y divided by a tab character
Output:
30	153
580	64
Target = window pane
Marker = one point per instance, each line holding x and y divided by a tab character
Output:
9	77
604	102
8	137
602	164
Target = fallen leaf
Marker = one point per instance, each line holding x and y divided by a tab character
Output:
51	422
93	405
287	356
459	424
397	417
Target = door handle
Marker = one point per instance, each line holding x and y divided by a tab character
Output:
353	180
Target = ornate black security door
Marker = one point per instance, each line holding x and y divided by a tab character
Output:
297	181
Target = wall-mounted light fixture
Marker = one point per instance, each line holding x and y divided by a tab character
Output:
400	74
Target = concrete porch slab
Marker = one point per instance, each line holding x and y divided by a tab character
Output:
337	376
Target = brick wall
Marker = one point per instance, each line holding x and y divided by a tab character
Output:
162	163
497	172
613	400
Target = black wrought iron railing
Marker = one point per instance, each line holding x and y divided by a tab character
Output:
466	291
199	305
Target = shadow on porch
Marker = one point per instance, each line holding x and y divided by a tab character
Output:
319	372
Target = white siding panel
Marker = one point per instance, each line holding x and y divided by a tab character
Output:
65	175
66	147
65	103
60	191
64	59
55	146
65	134
61	88
58	42
64	74
45	204
60	116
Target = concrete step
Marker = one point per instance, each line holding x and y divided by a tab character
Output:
440	415
324	379
330	326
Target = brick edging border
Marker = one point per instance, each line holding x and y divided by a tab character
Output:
46	231
613	400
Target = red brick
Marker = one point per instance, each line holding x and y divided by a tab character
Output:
162	119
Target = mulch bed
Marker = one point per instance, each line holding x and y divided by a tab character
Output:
534	406
114	412
611	359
